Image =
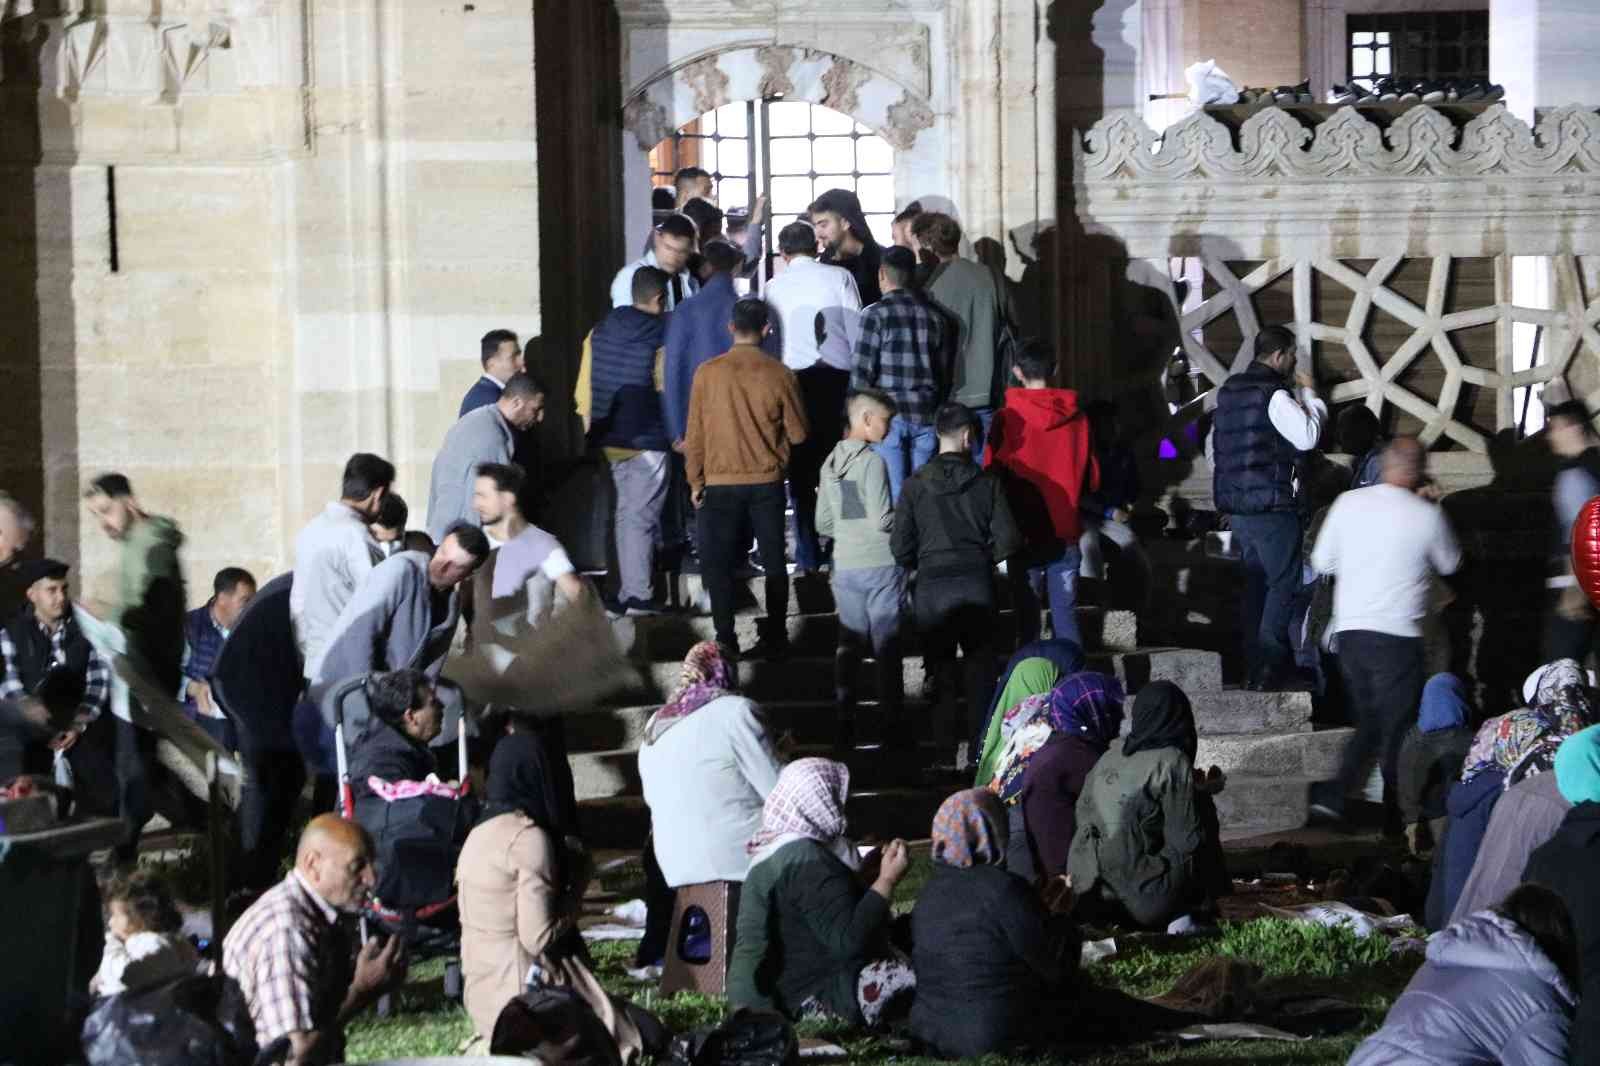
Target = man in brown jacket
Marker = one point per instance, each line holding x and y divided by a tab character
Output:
745	414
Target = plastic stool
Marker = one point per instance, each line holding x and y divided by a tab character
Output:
707	914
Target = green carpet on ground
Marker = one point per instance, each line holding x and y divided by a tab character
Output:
1335	962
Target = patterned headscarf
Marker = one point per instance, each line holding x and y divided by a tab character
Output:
705	676
1086	705
970	830
1030	681
808	801
1524	742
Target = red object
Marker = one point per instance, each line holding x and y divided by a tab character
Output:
1586	550
1042	440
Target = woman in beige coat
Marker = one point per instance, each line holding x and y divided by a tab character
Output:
520	886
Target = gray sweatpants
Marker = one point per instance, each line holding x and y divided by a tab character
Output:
641	484
869	601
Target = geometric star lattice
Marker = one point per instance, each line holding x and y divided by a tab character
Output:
1570	328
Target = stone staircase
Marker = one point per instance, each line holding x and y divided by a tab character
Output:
1264	742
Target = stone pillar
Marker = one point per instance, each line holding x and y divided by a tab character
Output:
1543	52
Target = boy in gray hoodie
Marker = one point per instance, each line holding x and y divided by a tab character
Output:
856	509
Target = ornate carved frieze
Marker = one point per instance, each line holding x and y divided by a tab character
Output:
1421	143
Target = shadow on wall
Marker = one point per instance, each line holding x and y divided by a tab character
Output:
43	475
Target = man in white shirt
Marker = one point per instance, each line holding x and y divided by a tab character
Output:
334	553
674	242
1385	543
816	309
514	589
1261	429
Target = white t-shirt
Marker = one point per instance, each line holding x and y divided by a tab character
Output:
798	296
1384	544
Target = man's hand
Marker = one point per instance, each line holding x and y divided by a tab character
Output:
1120	514
1304	379
380	965
893	866
200	692
758	211
64	740
698	499
677	445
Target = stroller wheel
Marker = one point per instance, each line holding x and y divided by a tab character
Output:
385	1005
453	984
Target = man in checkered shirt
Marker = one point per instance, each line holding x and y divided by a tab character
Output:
901	350
291	956
41	641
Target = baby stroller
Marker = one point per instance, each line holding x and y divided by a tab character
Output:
418	838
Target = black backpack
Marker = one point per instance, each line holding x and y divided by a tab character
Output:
187	1021
746	1038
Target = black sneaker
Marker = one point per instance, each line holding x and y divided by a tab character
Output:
636	608
1341	94
1474	92
1492	93
1432	92
775	651
1410	92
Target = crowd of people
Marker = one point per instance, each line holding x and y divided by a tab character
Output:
880	399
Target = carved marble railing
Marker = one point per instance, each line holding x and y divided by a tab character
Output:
1346	204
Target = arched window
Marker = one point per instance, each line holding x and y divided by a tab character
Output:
789	151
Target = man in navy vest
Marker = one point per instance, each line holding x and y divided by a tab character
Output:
204	630
1261	427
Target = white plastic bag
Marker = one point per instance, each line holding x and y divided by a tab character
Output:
63	770
1210	85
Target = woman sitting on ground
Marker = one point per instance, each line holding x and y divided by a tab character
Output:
1505	750
707	765
1497	987
1431	753
1147	841
521	881
1568	862
989	956
1044	765
809	926
1033	675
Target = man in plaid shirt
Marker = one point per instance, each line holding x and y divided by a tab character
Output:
43	640
290	955
901	350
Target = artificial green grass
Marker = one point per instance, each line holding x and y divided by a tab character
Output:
1334	962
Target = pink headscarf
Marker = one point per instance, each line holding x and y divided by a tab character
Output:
807	802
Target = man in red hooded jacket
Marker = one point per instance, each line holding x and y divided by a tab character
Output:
1042	447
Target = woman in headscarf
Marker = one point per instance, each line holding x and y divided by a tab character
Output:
1505	751
1431	752
1041	771
520	882
1567	863
1147	840
1033	675
809	928
988	955
706	766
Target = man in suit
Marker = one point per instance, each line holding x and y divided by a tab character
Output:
501	356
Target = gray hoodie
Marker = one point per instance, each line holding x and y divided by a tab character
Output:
1486	994
854	506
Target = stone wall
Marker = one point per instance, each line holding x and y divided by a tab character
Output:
248	238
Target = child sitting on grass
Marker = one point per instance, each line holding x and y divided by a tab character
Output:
144	940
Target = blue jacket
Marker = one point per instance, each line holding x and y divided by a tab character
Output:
625	406
1254	465
483	393
1469	805
696	332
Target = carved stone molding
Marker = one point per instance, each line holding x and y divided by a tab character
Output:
1421	143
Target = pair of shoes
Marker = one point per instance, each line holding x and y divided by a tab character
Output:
1346	94
634	607
767	648
1293	94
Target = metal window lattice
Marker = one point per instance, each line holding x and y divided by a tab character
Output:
1433	45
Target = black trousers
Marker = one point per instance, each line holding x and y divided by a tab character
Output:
1383	678
273	781
958	612
722	524
1269	548
822	390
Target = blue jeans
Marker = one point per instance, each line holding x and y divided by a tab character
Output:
1269	547
985	416
1053	575
922	441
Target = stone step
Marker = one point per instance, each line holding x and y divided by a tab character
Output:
811	594
1253	805
670	636
1314	755
805	678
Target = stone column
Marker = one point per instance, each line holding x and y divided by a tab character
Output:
1543	52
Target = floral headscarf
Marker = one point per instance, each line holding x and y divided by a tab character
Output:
970	830
1029	679
1087	705
705	676
806	803
1524	741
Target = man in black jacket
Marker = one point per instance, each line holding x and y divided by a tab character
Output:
1261	429
951	526
406	718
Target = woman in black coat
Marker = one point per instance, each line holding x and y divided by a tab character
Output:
989	957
